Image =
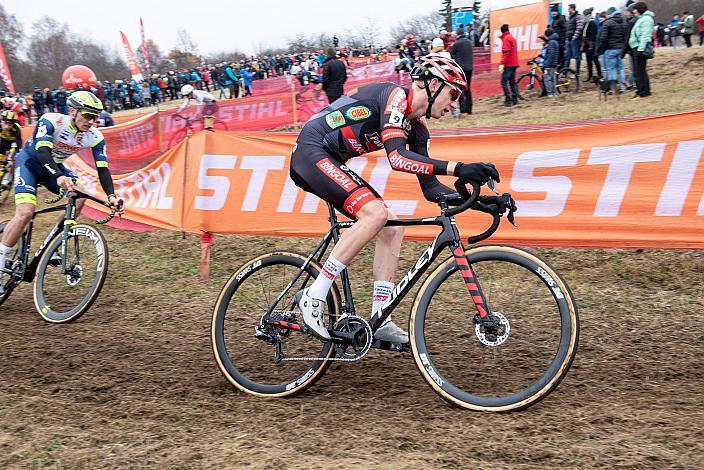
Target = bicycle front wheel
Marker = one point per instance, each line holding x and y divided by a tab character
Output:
530	86
249	360
567	81
64	297
537	340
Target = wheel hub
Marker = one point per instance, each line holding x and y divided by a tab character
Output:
493	331
74	275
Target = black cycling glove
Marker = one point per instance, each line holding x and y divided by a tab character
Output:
478	173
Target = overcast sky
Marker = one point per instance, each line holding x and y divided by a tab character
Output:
217	25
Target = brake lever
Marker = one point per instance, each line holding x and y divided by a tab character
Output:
491	184
508	202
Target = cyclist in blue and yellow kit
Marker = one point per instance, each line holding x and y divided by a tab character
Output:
56	138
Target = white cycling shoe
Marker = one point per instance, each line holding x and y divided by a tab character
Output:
313	311
391	333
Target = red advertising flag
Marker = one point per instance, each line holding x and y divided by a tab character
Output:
5	72
145	54
131	62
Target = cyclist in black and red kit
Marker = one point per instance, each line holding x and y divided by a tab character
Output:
372	117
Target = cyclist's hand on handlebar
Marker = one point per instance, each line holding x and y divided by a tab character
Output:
69	184
478	173
502	205
116	204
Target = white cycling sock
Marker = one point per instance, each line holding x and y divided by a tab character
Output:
320	288
4	251
382	291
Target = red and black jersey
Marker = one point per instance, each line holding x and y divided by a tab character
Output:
370	118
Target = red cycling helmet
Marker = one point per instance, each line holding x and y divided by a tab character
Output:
443	68
446	69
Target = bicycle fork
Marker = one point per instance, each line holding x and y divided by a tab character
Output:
474	288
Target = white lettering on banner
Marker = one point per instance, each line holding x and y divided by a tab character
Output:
150	189
261	166
135	139
378	180
288	196
526	38
679	178
557	188
6	76
240	112
621	161
220	185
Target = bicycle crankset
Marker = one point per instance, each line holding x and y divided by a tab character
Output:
492	330
352	337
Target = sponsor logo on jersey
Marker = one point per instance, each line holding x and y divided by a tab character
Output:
342	179
373	141
398	162
41	130
358	113
357	199
396	102
335	119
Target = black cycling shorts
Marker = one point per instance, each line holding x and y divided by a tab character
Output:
315	170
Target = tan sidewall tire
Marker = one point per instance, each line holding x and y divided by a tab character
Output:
551	384
213	336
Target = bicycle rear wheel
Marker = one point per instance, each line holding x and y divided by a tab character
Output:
63	298
514	370
247	361
530	86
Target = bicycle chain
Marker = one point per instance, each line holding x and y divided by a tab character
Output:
342	359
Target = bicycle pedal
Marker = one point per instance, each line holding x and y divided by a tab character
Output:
387	346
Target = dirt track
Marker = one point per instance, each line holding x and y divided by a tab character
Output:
134	384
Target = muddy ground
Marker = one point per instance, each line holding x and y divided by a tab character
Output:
134	384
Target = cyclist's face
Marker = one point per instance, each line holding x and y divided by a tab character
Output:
84	120
445	101
6	125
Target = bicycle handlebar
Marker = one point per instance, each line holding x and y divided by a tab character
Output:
81	195
469	198
496	206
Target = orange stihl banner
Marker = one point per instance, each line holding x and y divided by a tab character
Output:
526	23
628	184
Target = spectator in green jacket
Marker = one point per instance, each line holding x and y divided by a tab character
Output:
687	27
641	36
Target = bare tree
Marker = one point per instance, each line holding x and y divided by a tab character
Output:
363	35
184	42
225	56
421	26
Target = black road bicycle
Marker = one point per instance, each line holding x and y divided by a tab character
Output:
68	269
492	328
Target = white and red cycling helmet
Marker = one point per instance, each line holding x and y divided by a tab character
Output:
443	68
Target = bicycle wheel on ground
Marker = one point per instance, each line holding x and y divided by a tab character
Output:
530	86
249	362
567	81
63	298
535	345
10	282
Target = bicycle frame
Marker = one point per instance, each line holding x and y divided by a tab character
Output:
448	237
63	226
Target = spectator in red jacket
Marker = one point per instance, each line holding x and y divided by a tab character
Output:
700	22
509	64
